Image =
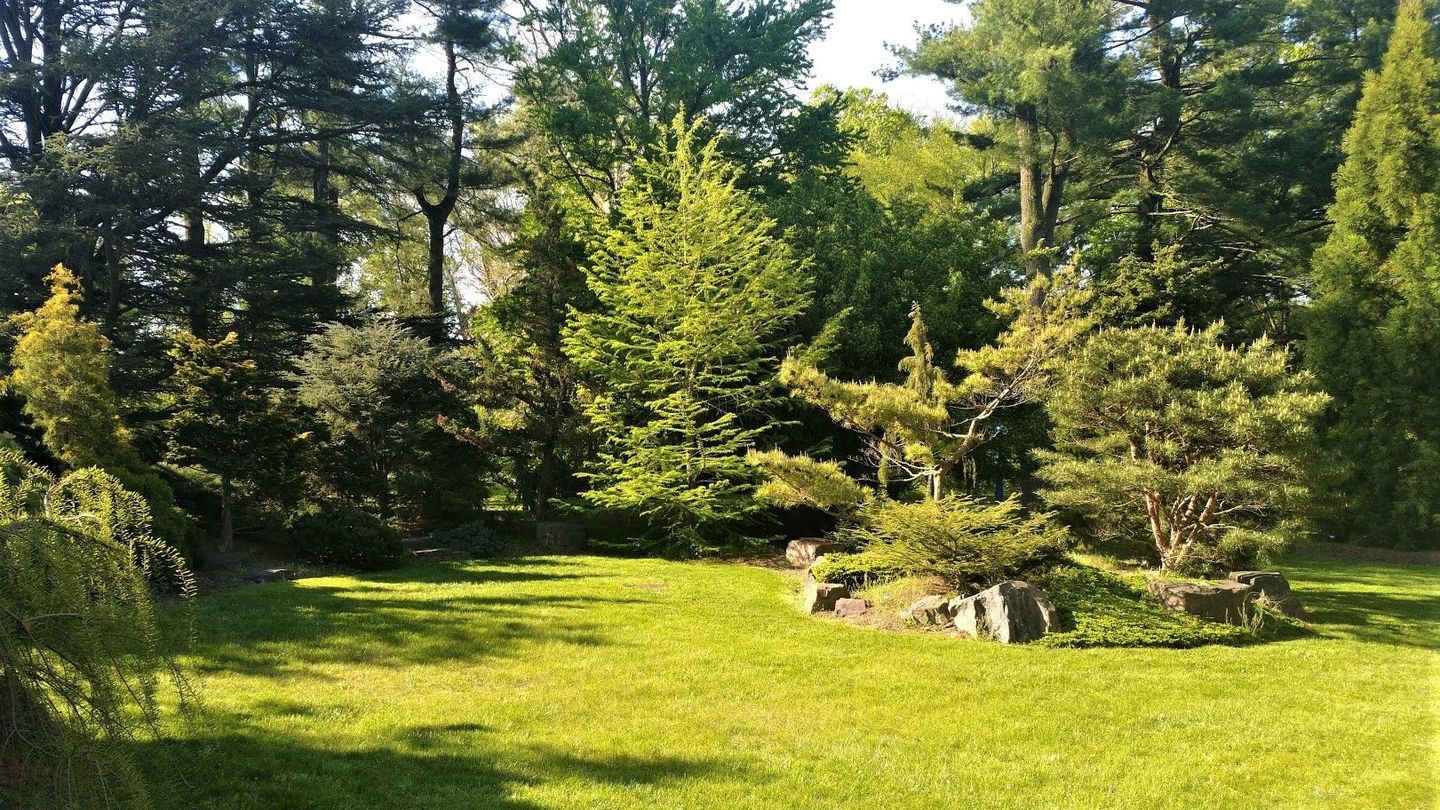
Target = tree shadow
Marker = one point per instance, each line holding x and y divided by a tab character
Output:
442	766
1373	602
408	617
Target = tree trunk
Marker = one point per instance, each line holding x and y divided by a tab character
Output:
227	514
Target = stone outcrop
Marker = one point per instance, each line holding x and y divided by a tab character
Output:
1275	588
1218	602
1012	612
802	553
928	610
847	607
822	596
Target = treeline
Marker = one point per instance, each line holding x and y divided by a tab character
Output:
420	260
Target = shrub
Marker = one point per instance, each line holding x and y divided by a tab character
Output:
965	542
1103	610
852	570
475	537
346	536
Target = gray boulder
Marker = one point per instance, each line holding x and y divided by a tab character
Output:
270	575
802	553
1275	588
822	596
1218	602
928	610
1012	612
845	608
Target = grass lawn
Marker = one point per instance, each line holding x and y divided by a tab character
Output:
588	682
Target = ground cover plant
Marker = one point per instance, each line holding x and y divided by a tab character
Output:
587	682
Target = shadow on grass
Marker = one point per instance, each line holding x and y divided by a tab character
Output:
445	766
407	617
1370	602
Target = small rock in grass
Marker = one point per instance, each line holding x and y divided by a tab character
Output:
822	596
1012	612
845	608
1275	588
928	610
802	553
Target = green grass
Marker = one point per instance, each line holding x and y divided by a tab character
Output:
587	682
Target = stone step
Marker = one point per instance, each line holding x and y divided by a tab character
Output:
438	554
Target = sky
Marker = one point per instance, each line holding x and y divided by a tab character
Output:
855	47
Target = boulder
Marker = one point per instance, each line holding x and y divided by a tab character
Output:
802	553
928	610
845	608
1220	602
1275	588
822	596
1012	612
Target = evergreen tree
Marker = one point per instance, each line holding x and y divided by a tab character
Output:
221	417
1168	435
1374	328
83	653
693	288
62	369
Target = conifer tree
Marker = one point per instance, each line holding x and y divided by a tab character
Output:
62	369
221	416
693	287
1374	329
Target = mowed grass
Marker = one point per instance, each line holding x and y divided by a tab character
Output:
589	682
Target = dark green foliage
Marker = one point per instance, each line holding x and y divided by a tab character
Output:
374	391
83	657
1374	330
476	537
345	536
1169	433
1102	610
969	544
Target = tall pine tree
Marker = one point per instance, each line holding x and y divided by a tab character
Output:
1374	336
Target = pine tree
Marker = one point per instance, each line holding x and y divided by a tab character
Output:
1374	328
693	288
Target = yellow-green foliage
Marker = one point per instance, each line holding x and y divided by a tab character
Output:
62	369
81	657
803	481
967	543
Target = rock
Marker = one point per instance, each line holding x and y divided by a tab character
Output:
928	610
1012	612
1220	602
559	537
822	596
1274	587
802	553
270	575
845	608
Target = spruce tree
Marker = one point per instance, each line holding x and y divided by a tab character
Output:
1374	328
693	287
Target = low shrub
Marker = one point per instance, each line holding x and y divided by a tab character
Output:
346	536
1102	610
475	537
852	570
967	543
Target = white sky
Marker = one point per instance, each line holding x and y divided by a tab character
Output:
855	47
